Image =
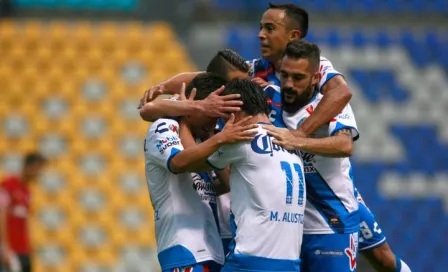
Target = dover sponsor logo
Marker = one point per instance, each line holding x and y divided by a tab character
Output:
163	144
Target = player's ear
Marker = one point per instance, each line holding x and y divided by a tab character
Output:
295	34
316	78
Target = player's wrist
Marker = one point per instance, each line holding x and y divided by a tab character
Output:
197	106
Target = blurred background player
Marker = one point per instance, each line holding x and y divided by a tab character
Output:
15	191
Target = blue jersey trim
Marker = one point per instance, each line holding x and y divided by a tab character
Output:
242	262
176	256
174	152
329	77
322	197
340	126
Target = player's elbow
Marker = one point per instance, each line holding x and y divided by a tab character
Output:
178	166
147	112
346	149
345	93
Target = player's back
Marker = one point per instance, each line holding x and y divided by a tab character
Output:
186	231
267	202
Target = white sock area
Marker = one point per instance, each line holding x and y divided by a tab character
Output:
404	267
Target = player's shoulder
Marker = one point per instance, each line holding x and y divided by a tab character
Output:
324	59
164	125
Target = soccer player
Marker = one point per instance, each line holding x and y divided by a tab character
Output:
15	198
279	25
372	242
187	235
267	192
331	216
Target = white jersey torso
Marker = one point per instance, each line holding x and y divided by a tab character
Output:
331	203
186	230
267	200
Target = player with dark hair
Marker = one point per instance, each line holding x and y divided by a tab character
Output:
280	24
298	80
267	230
187	233
228	64
14	212
212	105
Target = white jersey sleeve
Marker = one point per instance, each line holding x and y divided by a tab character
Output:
327	71
345	120
164	142
226	155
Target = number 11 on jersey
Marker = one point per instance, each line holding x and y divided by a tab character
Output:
286	167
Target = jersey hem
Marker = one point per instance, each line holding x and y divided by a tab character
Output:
378	244
332	231
197	261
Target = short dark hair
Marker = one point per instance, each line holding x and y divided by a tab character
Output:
205	84
253	97
227	60
32	158
296	14
301	49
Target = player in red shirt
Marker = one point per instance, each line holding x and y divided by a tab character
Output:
14	210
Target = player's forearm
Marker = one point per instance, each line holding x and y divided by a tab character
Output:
338	146
336	96
194	159
222	181
174	84
162	108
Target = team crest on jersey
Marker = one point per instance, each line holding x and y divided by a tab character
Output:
351	251
173	128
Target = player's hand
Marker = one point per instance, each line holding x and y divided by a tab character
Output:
261	82
182	95
235	132
283	137
220	106
151	94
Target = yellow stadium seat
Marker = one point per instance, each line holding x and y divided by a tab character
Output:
42	62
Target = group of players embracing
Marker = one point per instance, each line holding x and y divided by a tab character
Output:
248	167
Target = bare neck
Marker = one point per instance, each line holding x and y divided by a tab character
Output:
259	118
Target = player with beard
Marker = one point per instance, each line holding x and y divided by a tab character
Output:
331	226
372	241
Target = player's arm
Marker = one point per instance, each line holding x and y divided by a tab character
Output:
169	86
221	183
342	131
338	146
193	159
161	108
214	105
336	96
